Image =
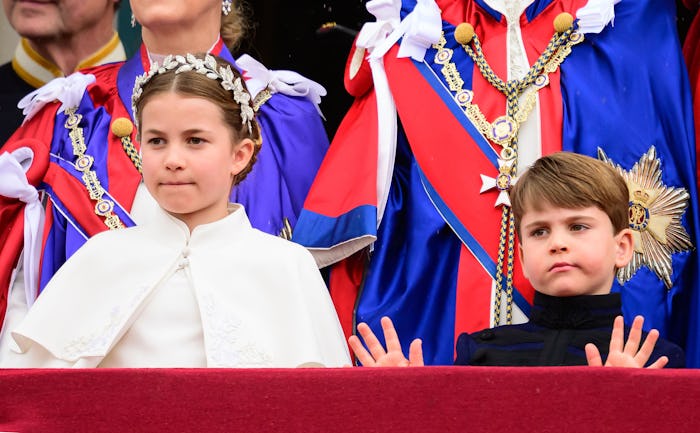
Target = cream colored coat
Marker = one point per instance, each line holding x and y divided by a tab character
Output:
261	299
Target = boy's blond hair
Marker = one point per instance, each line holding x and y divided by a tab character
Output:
573	181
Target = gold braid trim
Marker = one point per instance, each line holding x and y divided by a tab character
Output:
502	130
132	153
122	127
261	98
286	232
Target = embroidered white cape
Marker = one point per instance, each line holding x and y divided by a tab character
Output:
261	299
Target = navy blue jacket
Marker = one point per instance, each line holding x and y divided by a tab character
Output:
558	330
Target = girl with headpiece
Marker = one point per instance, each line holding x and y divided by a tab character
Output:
196	286
75	166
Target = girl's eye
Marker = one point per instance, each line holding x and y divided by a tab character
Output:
196	140
155	141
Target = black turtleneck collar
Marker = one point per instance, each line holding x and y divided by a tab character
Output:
575	312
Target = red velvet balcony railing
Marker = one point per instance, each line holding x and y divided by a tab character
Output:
430	399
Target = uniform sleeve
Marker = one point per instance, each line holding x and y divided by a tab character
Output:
465	349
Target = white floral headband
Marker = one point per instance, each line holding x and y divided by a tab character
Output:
207	67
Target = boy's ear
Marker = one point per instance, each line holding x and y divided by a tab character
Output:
520	257
242	153
625	247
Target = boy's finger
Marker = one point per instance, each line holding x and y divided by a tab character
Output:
659	363
647	349
393	343
360	352
415	353
635	336
373	344
593	355
617	338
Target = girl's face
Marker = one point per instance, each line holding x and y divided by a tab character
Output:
189	161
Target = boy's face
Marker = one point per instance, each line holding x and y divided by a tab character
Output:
568	252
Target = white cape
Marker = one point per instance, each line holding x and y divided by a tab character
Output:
261	299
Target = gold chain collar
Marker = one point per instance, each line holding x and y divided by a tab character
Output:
83	163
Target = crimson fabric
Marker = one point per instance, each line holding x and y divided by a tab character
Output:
430	399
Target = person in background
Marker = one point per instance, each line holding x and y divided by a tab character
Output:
57	39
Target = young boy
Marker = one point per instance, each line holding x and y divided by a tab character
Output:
571	214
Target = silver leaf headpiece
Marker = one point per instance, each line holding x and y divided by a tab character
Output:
207	67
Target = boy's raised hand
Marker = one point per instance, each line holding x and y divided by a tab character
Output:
627	354
377	356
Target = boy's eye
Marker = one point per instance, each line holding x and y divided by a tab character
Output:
154	141
578	227
538	233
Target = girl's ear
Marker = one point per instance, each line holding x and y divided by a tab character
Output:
625	247
242	152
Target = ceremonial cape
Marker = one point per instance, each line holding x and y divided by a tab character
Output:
261	299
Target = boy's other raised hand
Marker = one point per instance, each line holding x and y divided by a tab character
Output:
627	354
377	356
